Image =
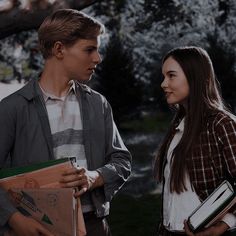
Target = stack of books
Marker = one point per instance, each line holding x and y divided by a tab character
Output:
35	191
213	208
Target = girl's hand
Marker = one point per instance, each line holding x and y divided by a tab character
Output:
215	230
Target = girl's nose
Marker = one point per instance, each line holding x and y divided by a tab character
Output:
164	83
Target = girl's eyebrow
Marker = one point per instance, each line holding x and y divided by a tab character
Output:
171	71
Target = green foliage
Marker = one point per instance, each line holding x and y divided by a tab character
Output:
116	80
119	4
135	216
223	60
159	10
147	124
5	71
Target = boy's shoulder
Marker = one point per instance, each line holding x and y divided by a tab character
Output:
16	98
93	93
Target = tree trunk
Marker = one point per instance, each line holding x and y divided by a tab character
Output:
17	20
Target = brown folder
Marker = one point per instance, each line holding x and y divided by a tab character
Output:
41	180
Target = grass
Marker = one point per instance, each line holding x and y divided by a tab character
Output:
134	216
147	124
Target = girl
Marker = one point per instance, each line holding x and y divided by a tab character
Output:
199	150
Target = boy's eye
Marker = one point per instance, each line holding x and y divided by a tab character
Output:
89	50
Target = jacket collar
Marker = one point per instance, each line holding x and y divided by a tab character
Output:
82	87
32	89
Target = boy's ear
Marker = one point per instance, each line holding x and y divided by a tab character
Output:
58	50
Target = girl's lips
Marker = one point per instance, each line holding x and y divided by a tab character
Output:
167	94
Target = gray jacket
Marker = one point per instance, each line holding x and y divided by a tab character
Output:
25	138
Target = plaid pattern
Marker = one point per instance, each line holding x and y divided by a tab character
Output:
213	157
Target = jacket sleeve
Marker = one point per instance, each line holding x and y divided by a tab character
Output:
118	168
7	135
226	132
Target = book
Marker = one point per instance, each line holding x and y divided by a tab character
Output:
213	208
45	175
55	209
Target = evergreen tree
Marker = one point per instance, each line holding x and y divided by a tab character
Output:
223	59
117	81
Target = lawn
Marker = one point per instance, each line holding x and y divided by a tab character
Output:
134	216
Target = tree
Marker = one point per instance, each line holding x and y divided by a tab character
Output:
117	81
223	59
20	18
149	28
18	23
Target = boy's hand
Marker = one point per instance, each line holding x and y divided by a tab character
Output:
214	230
81	178
22	225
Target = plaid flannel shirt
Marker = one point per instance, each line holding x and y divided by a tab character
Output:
213	157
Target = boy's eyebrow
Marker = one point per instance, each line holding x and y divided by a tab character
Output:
91	46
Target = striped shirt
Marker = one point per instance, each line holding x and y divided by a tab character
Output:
66	125
67	131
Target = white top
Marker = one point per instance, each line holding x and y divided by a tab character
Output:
177	207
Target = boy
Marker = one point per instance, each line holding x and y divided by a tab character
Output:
58	116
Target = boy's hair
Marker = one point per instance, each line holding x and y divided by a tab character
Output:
67	26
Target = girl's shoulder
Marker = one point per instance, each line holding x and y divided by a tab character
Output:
221	119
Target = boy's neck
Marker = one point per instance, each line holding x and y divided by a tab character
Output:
54	81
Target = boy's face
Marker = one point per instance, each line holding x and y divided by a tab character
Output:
80	59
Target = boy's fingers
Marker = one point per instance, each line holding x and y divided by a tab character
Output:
80	192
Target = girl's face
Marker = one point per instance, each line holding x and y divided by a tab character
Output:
175	84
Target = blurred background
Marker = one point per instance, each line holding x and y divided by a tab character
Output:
139	33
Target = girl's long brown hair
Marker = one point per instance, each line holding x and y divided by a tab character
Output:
204	98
